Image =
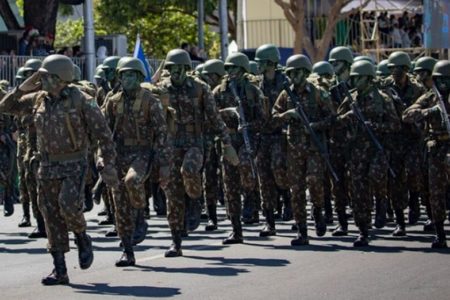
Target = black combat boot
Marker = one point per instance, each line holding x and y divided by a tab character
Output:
194	213
85	253
26	215
363	238
88	200
287	206
8	205
249	208
278	214
414	208
59	273
429	225
269	228
440	240
39	231
321	226
389	211
400	230
175	248
141	226
342	228
127	259
212	218
235	236
302	236
380	213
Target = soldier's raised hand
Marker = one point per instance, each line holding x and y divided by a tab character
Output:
31	84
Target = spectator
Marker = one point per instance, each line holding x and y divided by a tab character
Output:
195	54
23	42
185	46
396	36
49	39
406	42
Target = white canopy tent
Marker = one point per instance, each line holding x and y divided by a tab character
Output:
386	5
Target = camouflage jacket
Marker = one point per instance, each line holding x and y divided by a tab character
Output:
271	90
63	125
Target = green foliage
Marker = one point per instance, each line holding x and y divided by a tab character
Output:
19	4
69	33
161	27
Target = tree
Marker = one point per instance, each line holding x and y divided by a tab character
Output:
8	16
294	11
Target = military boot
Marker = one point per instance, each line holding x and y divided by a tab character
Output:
287	206
342	228
8	205
321	226
400	230
389	211
88	200
39	231
175	248
85	253
59	273
141	227
328	207
302	236
380	213
127	259
269	228
212	218
414	208
429	225
26	216
194	213
235	236
440	240
363	238
250	213
278	214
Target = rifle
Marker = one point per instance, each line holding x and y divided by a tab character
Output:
357	112
442	109
304	118
243	126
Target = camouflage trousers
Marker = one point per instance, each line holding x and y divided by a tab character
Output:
185	178
211	174
272	169
132	169
405	160
437	179
368	179
305	170
31	187
340	189
61	203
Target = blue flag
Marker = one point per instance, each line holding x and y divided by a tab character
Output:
139	53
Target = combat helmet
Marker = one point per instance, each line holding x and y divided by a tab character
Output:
267	52
323	68
131	63
33	64
425	63
298	61
178	57
238	59
341	53
212	66
362	68
442	68
399	59
59	65
382	68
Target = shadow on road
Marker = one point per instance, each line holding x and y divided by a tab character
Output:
23	250
133	291
260	262
222	271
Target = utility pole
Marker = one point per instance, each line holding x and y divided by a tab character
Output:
89	35
200	22
223	16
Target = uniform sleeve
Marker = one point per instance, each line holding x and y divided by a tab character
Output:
279	107
16	103
258	122
213	116
419	110
99	131
391	121
161	144
326	111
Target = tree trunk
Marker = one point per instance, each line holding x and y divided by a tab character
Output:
8	16
41	14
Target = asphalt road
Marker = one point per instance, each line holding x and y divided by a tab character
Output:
261	268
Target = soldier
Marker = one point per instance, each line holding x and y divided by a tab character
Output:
271	157
322	77
368	165
213	72
254	68
405	146
64	117
341	59
242	178
382	69
433	109
305	164
191	103
140	135
422	71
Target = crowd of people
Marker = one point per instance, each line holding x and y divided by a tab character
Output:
351	133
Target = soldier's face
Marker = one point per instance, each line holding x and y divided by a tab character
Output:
212	79
130	80
398	72
50	82
177	73
338	66
298	76
233	71
360	82
27	74
262	66
110	74
423	75
442	84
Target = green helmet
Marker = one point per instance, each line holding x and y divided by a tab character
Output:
178	57
110	62
99	74
363	57
362	68
382	68
253	67
398	59
238	59
32	64
323	68
76	73
341	53
425	63
298	61
19	74
131	63
199	68
268	52
59	65
442	68
214	66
